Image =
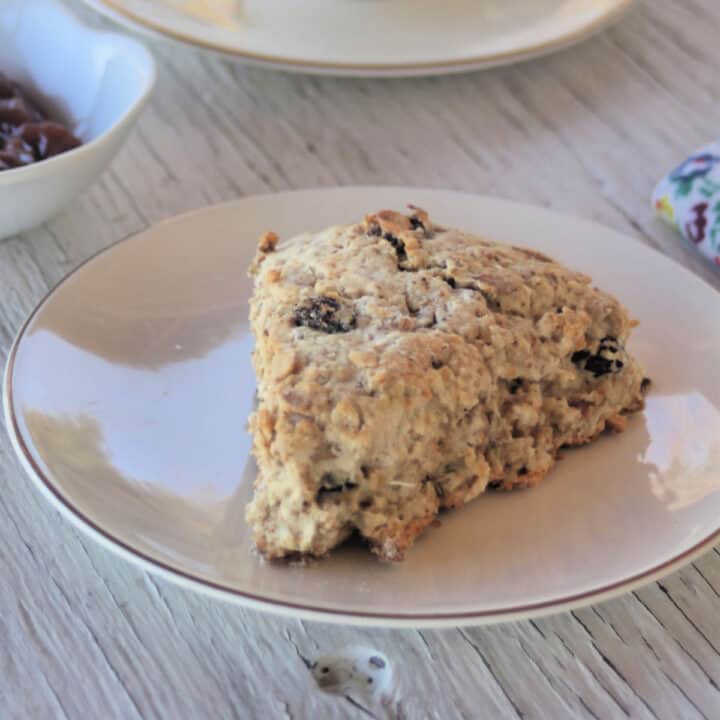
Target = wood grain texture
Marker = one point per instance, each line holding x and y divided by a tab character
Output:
588	131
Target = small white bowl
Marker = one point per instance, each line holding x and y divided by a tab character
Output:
97	81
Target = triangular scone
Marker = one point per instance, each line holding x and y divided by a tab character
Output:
404	368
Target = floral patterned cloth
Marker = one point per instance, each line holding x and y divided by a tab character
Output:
689	199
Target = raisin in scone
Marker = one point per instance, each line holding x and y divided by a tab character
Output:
404	368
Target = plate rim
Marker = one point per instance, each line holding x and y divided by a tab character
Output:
115	10
306	611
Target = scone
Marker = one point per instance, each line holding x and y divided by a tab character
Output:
404	368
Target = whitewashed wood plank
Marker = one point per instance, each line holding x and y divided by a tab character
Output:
587	131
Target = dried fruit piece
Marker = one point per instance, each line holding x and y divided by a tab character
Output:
325	314
610	357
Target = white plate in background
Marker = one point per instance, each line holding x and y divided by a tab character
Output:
127	393
371	37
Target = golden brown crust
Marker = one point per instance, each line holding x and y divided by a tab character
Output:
268	242
392	548
616	423
519	482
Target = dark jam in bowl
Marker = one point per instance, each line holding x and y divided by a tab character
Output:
26	133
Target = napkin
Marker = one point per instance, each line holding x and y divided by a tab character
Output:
689	199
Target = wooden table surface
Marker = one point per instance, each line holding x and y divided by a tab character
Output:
587	131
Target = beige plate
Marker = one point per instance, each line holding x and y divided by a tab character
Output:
371	37
128	389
